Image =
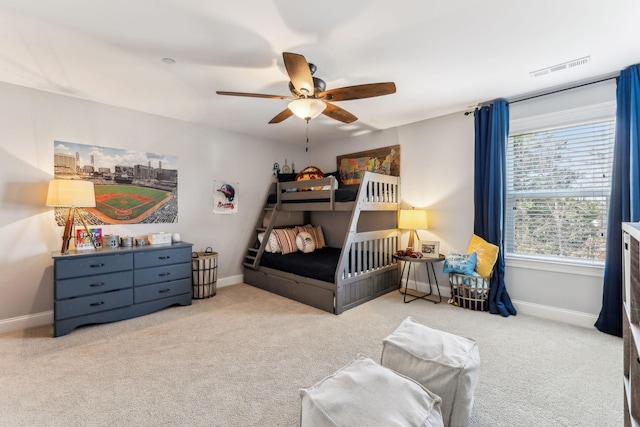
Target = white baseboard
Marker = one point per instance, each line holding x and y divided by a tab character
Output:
576	318
445	289
25	322
571	317
228	281
46	317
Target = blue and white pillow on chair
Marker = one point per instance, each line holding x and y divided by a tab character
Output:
460	263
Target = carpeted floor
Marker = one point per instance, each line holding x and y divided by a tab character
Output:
241	357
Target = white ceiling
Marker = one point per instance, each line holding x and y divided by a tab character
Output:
444	56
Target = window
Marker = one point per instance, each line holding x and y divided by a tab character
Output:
558	184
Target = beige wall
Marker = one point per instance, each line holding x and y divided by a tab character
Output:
437	174
436	169
31	120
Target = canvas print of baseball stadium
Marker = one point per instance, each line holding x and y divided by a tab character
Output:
131	187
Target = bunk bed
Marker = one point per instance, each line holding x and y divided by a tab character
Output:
359	226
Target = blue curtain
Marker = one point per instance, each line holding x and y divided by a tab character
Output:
624	204
491	132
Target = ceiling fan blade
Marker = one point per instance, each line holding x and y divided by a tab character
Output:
284	114
339	114
299	73
359	91
253	95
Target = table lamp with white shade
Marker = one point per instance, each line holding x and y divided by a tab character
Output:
413	220
74	194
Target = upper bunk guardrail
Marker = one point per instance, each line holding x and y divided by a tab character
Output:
309	190
376	192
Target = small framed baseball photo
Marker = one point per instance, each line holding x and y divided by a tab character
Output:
429	248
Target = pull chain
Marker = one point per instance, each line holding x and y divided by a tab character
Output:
306	149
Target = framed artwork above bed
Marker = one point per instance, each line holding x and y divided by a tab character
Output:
385	160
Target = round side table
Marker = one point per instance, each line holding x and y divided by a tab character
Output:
408	262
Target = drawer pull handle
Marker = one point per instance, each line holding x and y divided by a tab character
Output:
164	274
97	265
164	257
95	304
162	291
95	285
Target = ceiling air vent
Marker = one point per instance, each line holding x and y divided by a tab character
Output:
565	65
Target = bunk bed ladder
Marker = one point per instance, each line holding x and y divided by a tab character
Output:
255	249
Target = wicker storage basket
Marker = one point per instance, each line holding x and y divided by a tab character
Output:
470	292
205	273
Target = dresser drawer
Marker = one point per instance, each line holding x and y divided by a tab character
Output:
93	303
162	257
166	273
161	290
78	286
92	265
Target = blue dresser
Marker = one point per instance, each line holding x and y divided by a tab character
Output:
120	283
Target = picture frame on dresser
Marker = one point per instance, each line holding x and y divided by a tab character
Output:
85	239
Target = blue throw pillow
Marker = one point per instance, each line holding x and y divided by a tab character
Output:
460	263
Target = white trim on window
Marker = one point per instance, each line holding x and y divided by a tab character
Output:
594	269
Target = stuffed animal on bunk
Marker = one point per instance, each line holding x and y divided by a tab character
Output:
308	173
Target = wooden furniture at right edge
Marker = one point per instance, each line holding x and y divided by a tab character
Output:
631	322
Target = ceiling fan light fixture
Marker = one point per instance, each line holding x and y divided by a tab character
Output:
307	108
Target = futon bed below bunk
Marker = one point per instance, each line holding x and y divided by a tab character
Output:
320	264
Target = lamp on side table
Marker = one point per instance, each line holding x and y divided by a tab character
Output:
413	220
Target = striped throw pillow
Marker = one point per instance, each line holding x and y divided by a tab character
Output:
286	238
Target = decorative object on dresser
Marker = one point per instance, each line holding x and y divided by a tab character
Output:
75	195
631	323
111	240
117	284
88	239
160	238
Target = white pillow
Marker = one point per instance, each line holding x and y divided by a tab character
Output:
273	243
305	242
267	247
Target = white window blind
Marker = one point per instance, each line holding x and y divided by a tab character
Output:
558	184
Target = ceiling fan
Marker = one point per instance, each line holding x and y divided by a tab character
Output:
309	97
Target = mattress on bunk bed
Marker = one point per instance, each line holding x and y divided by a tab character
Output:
320	264
348	193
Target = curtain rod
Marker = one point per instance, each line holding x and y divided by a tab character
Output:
562	89
514	100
